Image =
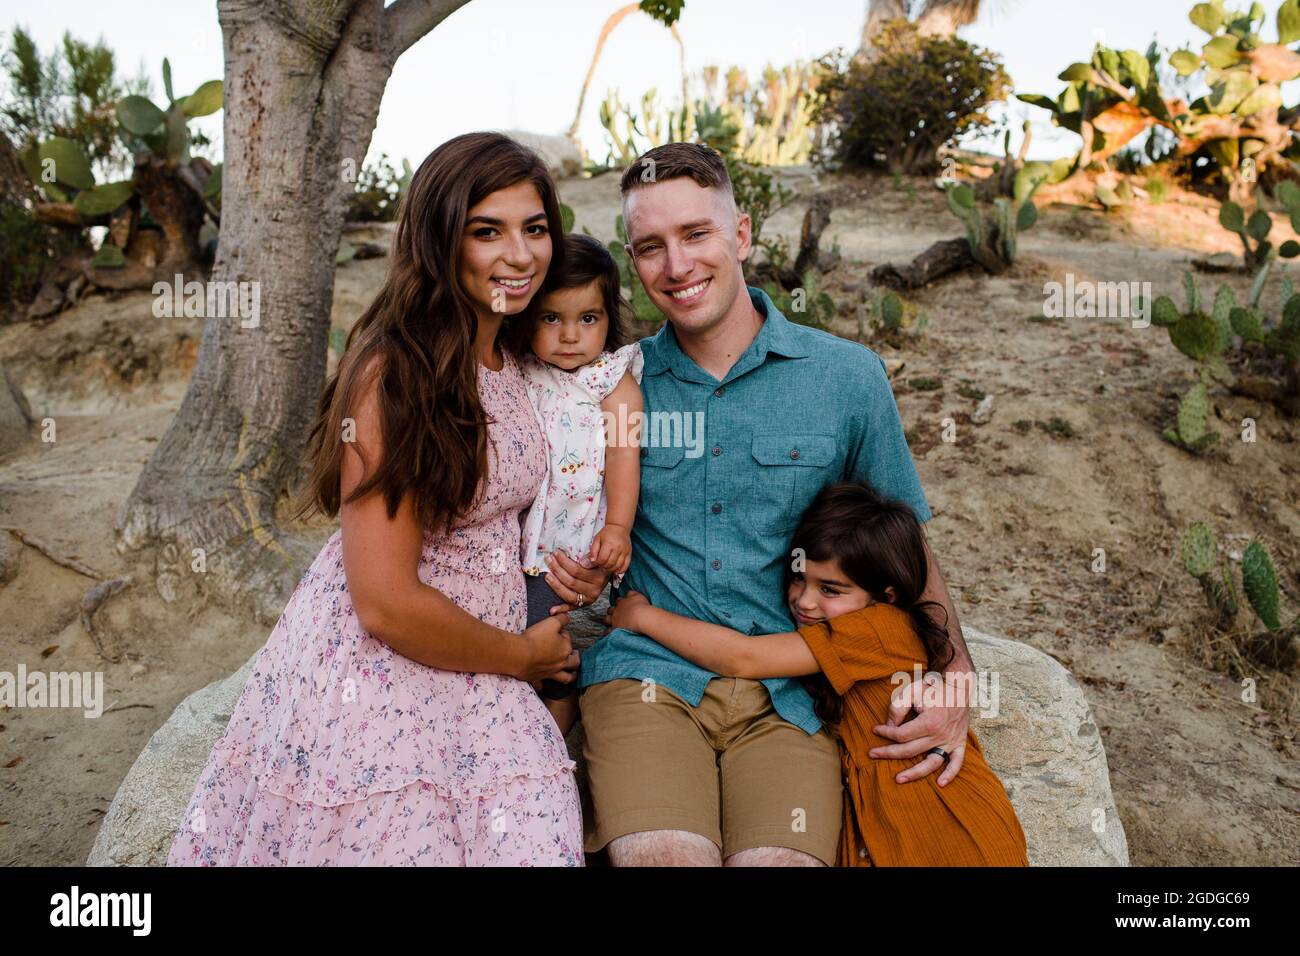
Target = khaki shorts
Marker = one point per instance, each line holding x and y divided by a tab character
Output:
730	770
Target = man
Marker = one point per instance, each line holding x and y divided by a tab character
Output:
687	768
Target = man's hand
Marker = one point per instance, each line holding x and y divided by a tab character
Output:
938	723
572	580
623	612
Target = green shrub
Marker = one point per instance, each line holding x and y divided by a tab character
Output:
71	93
918	94
379	191
29	249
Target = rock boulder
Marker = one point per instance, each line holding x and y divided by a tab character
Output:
559	153
1043	743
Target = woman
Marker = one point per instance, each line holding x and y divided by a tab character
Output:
390	718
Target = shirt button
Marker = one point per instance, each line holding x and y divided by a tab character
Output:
645	452
794	452
717	449
716	564
719	390
716	508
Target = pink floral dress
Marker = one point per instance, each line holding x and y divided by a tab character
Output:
342	751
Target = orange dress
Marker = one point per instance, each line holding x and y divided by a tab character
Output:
968	822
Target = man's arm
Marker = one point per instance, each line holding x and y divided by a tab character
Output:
937	590
943	725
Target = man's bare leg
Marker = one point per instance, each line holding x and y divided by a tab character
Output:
664	848
772	856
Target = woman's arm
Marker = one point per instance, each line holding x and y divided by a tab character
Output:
722	650
381	556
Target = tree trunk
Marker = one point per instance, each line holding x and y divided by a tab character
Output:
943	18
941	259
879	12
303	83
815	221
938	18
161	254
614	20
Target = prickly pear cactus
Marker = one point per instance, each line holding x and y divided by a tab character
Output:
891	311
1259	580
1200	560
1191	431
995	244
1164	313
1196	335
1248	324
1199	552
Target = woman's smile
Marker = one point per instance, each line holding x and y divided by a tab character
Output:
513	286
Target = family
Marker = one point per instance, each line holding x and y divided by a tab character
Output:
773	589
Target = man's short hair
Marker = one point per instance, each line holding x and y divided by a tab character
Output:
674	160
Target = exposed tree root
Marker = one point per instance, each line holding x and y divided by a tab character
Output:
94	599
64	560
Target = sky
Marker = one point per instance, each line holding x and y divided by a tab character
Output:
519	64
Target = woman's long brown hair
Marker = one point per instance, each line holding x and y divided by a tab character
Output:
879	544
416	340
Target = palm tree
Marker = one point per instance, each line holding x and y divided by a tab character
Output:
614	20
932	17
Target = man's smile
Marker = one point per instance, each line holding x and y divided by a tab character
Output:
686	295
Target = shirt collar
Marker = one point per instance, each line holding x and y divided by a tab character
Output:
777	335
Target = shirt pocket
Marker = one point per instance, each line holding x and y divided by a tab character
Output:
658	477
790	468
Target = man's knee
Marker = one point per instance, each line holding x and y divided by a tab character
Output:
772	856
664	848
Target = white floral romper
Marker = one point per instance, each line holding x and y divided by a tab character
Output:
570	507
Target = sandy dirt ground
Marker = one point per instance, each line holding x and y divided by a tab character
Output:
1071	461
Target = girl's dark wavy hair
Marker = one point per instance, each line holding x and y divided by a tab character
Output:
585	260
415	343
879	544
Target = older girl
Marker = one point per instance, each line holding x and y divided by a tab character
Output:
854	591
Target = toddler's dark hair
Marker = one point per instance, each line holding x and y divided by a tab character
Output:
879	544
585	260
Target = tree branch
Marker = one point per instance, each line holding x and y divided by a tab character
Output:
409	20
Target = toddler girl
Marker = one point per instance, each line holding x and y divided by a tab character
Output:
855	595
576	365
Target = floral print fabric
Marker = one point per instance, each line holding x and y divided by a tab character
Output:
342	751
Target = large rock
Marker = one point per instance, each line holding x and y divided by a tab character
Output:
1043	743
15	415
11	553
558	152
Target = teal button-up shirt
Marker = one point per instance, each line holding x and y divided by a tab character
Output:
727	469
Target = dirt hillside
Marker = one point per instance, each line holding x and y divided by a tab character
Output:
1071	461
